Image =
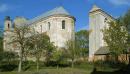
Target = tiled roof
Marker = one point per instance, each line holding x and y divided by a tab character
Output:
102	51
58	10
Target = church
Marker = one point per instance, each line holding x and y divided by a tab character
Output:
57	23
98	20
60	27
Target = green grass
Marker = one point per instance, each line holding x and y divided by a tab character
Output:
84	68
51	71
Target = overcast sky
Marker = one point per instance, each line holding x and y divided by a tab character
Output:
77	8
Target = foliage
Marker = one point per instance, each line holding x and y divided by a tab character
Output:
72	52
20	37
7	56
57	56
124	20
40	46
7	59
82	42
1	44
116	37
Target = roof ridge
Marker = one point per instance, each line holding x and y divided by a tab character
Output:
57	10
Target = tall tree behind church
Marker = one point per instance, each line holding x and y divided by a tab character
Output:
82	41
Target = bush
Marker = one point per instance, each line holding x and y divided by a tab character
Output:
7	67
110	64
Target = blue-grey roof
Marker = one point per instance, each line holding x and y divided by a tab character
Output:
102	51
58	10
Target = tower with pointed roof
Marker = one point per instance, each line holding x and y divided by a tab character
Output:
97	21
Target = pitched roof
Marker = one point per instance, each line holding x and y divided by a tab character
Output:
55	11
102	51
94	8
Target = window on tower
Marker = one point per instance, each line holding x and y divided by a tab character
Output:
41	28
63	24
49	25
8	25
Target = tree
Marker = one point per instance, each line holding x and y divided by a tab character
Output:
40	46
116	37
8	56
20	38
125	20
57	57
82	42
72	51
1	44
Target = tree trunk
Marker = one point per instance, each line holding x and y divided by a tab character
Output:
72	64
20	63
20	60
57	66
129	59
116	59
37	64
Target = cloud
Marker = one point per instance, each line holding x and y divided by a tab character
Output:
120	2
4	7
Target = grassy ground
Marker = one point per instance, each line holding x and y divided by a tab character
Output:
52	71
86	68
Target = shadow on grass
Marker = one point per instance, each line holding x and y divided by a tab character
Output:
125	70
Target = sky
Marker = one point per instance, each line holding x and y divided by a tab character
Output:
77	8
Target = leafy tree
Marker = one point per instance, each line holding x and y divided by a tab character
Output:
116	37
82	42
20	37
40	46
1	44
8	56
72	51
57	57
125	20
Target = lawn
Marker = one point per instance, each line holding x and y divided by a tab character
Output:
52	71
86	68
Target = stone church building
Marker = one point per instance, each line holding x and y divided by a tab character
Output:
98	50
97	22
57	23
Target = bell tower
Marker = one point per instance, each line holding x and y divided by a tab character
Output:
7	24
97	22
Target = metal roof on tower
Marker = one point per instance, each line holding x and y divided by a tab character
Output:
55	11
96	9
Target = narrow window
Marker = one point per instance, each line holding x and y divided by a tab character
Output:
63	24
49	25
41	28
8	26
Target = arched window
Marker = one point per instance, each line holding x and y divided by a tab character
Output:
8	26
49	25
41	28
63	24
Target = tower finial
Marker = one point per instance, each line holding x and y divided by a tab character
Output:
7	18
